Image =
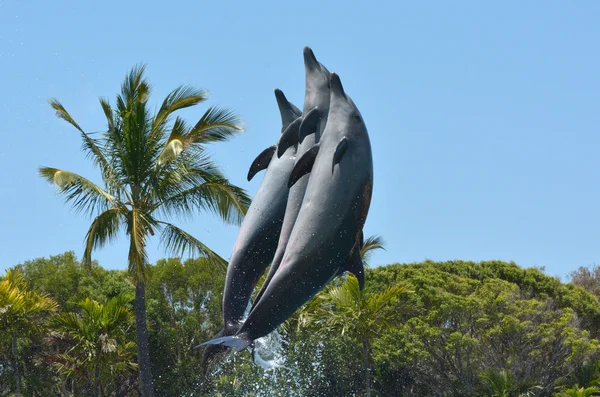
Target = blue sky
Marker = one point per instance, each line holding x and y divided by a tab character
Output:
484	118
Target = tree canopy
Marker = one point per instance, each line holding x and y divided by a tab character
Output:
452	328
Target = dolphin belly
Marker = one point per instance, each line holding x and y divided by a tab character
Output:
291	213
256	242
303	272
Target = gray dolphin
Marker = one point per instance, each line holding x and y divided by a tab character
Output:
258	236
326	238
316	108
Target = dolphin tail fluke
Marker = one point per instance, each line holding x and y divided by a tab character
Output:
211	351
239	342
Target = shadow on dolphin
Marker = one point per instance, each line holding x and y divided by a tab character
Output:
316	109
258	236
326	238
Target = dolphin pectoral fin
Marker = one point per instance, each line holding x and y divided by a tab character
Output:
289	137
339	152
304	164
310	123
261	161
237	342
356	267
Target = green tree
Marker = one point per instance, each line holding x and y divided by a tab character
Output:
22	315
588	278
97	346
477	317
360	314
152	167
184	306
68	281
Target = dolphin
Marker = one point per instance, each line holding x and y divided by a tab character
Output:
326	238
316	108
258	236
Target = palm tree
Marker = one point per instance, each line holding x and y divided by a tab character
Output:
360	314
151	167
22	314
502	384
97	341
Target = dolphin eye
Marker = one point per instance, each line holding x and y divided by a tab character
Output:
356	116
328	84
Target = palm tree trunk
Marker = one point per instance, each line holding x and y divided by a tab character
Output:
97	377
16	364
367	367
146	386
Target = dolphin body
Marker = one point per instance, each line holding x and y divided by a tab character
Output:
326	238
259	232
316	108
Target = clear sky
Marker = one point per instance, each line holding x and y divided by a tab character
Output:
484	118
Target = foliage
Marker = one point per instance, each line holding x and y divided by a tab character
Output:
488	328
95	347
184	309
361	315
502	384
579	392
68	281
588	278
23	319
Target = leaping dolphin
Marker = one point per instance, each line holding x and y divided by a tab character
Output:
326	238
316	108
257	239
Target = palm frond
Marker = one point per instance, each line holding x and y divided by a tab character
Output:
79	191
135	88
92	147
108	113
371	244
190	169
104	229
175	143
220	197
216	125
63	114
21	310
180	98
178	242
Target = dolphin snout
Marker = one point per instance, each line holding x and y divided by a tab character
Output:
310	61
336	85
280	95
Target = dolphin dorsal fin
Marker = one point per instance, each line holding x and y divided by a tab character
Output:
304	164
288	111
289	137
356	267
339	152
310	124
261	161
